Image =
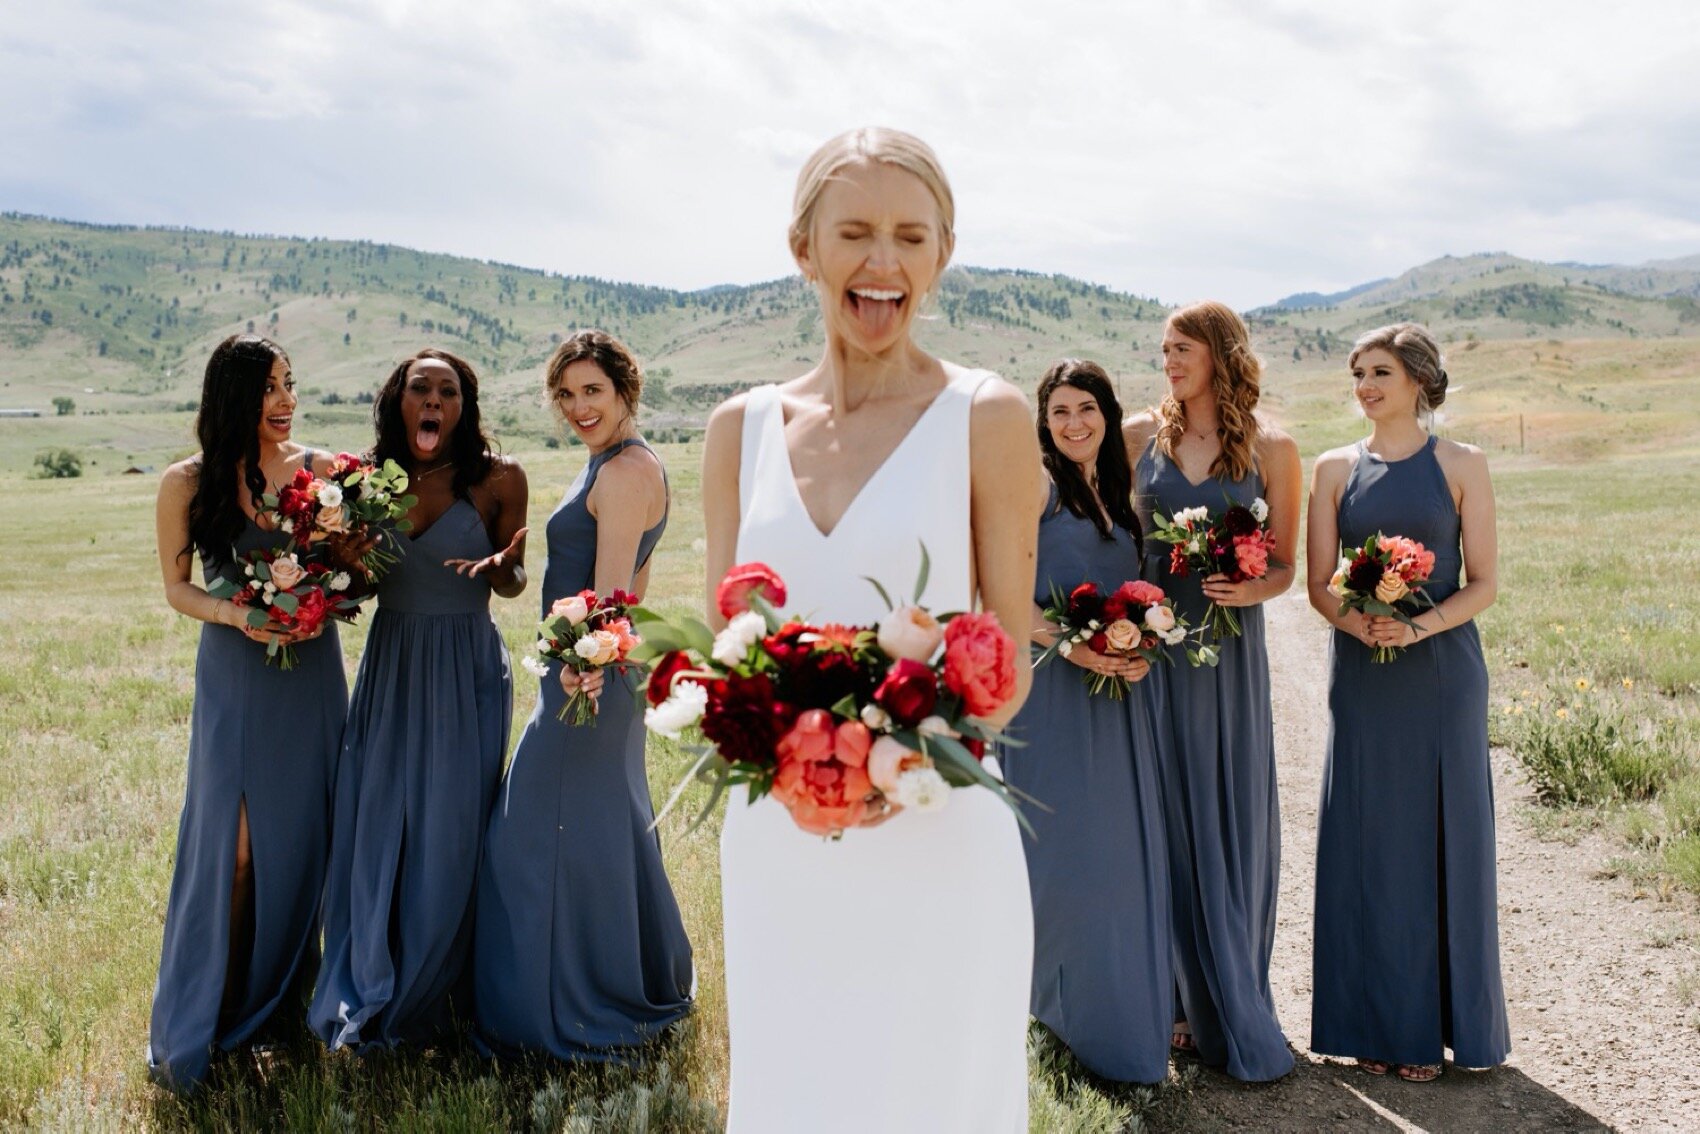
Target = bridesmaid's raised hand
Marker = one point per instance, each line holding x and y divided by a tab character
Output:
472	568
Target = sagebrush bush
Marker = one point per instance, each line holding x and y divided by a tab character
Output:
1587	752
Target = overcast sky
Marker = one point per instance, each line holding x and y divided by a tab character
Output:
1180	149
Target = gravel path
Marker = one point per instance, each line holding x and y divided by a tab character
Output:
1596	978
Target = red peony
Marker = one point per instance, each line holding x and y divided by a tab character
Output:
745	720
979	662
823	773
733	594
908	692
1085	604
786	645
661	676
310	611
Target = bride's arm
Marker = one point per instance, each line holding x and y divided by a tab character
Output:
720	458
1007	497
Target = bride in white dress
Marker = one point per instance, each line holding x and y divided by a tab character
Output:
879	982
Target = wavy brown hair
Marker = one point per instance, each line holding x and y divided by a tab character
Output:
610	355
1115	472
473	453
1235	378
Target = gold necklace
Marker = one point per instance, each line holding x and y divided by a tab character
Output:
439	467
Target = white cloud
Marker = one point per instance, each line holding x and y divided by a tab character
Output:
1181	150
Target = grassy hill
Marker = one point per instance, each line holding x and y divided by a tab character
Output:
119	320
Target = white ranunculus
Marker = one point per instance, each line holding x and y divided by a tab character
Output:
330	496
922	789
533	664
910	632
1260	509
744	631
682	709
1174	635
1159	618
876	718
542	645
339	581
935	726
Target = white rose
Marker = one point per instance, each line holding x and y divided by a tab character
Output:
534	665
732	643
1159	618
683	708
1186	517
1173	636
254	584
922	789
340	581
542	645
935	726
910	632
1259	510
876	718
330	496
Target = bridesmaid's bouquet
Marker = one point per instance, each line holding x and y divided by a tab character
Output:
843	725
354	496
1135	620
1385	576
584	632
1236	543
280	588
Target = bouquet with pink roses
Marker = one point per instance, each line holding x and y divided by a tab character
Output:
843	725
584	632
1134	620
1385	576
1236	543
280	589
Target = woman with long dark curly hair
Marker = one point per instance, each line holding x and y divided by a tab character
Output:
256	805
1204	446
1096	861
428	725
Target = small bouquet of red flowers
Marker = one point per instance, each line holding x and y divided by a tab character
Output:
1237	543
1385	576
353	496
1135	620
840	724
278	588
584	632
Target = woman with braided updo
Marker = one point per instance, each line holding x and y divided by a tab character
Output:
1407	932
1205	446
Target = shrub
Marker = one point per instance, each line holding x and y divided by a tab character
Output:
1586	753
58	463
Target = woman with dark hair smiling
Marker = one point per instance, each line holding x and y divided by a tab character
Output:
428	724
1096	862
256	806
581	952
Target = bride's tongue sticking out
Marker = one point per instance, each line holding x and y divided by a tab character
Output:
876	309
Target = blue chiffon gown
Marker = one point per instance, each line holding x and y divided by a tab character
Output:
1097	865
270	737
1407	929
427	731
1216	736
581	952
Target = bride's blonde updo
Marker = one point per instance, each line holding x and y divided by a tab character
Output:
1236	377
872	143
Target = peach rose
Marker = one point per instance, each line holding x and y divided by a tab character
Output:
1121	635
573	608
621	628
286	572
599	647
888	759
910	632
332	518
822	778
1159	618
1392	588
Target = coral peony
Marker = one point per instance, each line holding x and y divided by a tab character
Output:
733	594
822	778
979	662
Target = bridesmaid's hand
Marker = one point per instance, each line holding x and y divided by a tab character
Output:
588	683
348	549
271	631
1220	591
1357	624
1091	660
1384	631
508	557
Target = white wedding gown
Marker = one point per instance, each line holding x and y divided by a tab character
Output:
877	983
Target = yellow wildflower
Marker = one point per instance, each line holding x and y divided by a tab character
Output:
1562	713
1629	683
1582	684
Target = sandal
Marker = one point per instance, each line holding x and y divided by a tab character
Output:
1374	1066
1180	1038
1418	1072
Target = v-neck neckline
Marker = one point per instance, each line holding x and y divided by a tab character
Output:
879	469
1176	465
415	537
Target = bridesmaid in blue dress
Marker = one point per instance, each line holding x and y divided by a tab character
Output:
1407	932
1097	865
581	952
242	923
1204	445
428	725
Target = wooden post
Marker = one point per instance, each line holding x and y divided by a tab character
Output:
1520	446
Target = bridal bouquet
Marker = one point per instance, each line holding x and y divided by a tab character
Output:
279	588
1135	620
584	632
1385	576
353	496
840	724
1237	543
